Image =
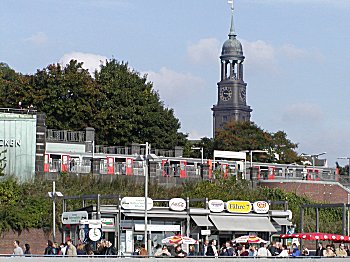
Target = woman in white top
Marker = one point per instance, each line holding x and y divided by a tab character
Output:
284	252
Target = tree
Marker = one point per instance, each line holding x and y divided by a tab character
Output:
243	135
120	104
131	111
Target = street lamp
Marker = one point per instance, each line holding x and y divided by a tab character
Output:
348	158
201	149
53	195
314	156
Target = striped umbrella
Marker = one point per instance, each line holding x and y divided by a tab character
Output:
249	239
179	239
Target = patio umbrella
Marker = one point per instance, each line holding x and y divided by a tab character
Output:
318	236
249	239
179	239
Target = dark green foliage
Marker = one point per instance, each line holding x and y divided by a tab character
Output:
119	103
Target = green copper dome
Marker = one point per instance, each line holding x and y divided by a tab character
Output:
232	48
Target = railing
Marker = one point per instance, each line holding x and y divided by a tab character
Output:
18	110
65	136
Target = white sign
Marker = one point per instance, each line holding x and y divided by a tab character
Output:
290	215
129	241
177	204
205	232
229	154
216	205
73	217
107	222
136	203
261	207
160	228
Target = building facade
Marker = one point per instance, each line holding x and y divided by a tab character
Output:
232	90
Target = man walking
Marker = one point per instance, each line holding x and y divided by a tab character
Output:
71	249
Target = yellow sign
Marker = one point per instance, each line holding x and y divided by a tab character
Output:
234	206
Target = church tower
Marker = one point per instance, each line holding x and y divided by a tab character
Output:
232	90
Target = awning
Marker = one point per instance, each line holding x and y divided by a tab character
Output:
282	221
202	221
243	223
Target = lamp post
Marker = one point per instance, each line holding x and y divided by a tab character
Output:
53	195
348	158
201	149
313	156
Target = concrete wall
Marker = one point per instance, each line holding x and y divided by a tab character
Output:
320	191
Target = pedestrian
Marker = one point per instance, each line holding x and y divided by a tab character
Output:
205	247
88	250
191	251
328	252
136	251
295	251
110	249
212	250
163	252
179	252
319	250
17	251
263	251
227	250
244	251
63	249
27	251
81	249
284	252
252	251
49	250
71	249
305	251
143	251
340	251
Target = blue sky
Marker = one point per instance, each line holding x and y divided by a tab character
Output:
296	65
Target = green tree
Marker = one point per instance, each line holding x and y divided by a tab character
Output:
131	111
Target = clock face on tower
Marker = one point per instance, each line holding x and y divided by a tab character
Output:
225	93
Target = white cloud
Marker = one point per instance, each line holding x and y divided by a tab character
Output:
303	113
91	62
37	39
173	85
206	51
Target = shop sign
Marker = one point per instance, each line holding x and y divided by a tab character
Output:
107	222
205	232
177	204
69	218
261	207
159	228
136	203
216	205
290	215
235	206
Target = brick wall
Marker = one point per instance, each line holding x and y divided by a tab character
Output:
36	238
325	192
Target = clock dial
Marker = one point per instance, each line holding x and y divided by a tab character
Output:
225	93
95	234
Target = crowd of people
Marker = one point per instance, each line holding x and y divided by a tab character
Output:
210	249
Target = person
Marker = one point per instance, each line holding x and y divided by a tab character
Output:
136	251
227	250
143	251
162	252
273	250
88	250
179	252
244	251
305	251
263	251
340	251
296	251
211	250
284	252
63	249
205	247
110	249
49	250
27	251
319	250
191	251
166	168
81	250
17	251
328	252
71	249
252	251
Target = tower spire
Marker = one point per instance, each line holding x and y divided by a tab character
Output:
232	33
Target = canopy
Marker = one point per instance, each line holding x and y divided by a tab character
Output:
179	239
249	239
318	236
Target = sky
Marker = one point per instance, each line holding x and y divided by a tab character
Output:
296	64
